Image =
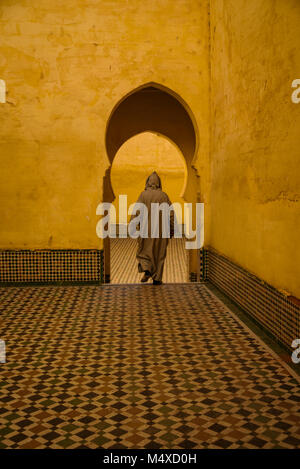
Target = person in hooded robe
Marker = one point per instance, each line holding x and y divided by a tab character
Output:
151	252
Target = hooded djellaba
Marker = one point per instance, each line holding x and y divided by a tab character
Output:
152	252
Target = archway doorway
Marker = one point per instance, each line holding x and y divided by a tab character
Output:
135	160
152	108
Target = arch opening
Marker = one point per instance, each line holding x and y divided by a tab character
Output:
137	158
157	109
152	108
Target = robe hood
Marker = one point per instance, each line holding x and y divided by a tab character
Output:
153	181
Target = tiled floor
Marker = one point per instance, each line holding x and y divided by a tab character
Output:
138	366
124	263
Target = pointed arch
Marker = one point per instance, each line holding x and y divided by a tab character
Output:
152	107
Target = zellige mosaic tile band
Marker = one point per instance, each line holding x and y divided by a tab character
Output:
268	306
61	265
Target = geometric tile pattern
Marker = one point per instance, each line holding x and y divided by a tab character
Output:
276	312
53	265
138	366
124	264
202	257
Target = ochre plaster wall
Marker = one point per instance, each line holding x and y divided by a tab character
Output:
66	65
255	129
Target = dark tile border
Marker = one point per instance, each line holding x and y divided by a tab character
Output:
275	312
281	350
193	276
51	266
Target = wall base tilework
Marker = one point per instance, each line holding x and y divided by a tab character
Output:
202	265
193	276
277	313
51	266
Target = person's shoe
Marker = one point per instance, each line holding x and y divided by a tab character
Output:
157	282
146	276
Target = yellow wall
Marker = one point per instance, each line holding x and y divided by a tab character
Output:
255	129
66	65
138	158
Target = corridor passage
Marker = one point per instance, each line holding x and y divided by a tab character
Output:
138	366
124	263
